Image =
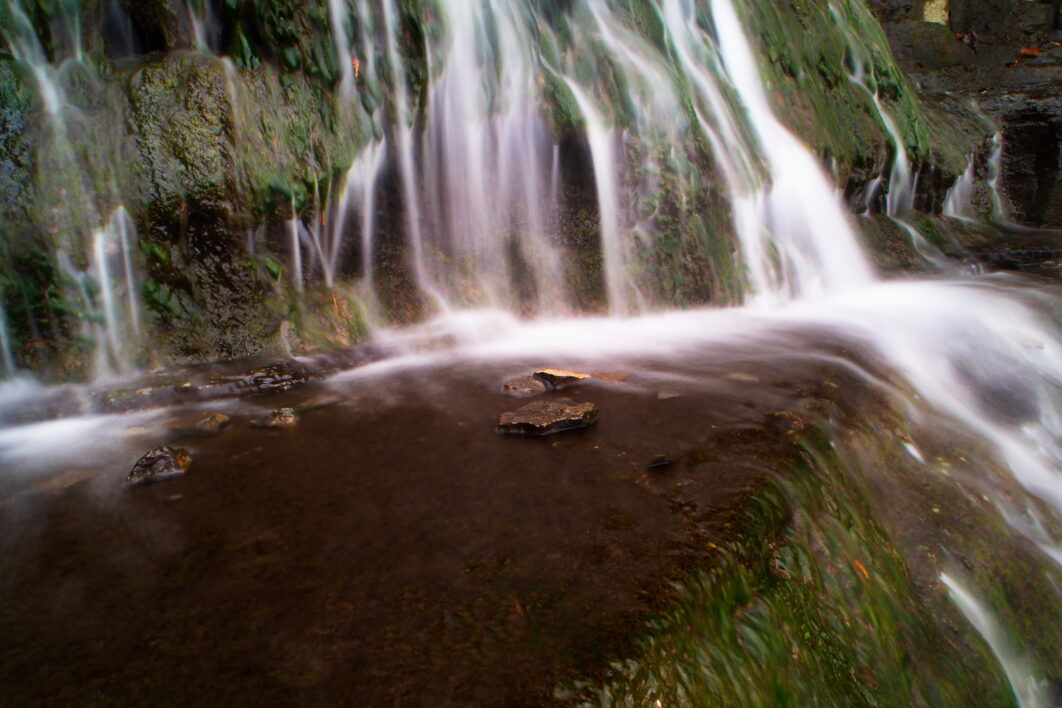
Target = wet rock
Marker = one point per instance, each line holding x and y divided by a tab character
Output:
786	422
547	417
201	423
160	464
524	386
280	418
559	378
147	396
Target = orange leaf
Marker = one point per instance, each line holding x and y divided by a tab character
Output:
1029	51
861	569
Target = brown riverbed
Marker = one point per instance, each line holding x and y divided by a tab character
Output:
393	548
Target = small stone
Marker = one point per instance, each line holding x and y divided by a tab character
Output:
658	463
612	376
547	417
280	418
667	395
159	464
524	386
559	378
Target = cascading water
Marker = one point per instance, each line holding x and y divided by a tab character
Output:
803	212
900	194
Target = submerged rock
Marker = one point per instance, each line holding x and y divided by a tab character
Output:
321	401
201	423
559	378
280	418
546	417
612	376
524	386
159	464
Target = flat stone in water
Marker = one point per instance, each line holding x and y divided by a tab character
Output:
547	417
524	386
159	464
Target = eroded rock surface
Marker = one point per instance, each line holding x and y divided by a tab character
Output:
160	464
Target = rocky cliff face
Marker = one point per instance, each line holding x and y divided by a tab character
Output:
228	132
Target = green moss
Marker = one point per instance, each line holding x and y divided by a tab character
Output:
811	608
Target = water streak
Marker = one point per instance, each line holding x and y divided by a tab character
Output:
1028	689
957	204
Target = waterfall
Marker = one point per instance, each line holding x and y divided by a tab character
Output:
900	194
337	12
292	226
487	152
107	292
358	194
957	203
602	139
6	357
803	211
407	160
26	48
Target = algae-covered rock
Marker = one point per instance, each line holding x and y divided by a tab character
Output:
179	113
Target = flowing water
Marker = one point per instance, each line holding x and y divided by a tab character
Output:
413	552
